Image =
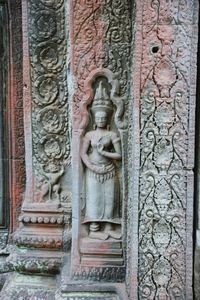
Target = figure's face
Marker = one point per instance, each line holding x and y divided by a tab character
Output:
101	119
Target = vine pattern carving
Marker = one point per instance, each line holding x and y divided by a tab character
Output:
51	145
165	166
100	41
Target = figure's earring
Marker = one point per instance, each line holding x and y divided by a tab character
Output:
94	126
108	127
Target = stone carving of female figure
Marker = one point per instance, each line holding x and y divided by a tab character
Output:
100	150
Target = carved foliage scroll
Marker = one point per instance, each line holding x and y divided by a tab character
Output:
101	38
51	149
165	178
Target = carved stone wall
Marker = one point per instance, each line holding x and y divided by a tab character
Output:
15	112
167	115
108	107
46	209
13	144
46	125
101	39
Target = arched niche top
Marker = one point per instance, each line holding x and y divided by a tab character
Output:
115	97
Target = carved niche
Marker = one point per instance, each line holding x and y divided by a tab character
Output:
101	38
101	203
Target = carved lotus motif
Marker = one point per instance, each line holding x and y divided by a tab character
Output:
48	90
115	35
162	272
164	115
52	120
162	196
45	25
52	148
49	56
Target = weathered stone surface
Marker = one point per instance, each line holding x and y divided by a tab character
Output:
100	58
109	105
166	155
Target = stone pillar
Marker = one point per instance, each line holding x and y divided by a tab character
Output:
166	51
45	212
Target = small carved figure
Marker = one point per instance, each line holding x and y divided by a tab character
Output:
100	150
51	185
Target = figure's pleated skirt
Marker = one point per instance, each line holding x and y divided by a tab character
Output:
102	197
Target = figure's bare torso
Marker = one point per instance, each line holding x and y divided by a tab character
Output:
96	137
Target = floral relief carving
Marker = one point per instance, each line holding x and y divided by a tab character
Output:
164	121
131	148
51	148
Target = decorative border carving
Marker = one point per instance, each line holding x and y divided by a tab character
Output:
49	219
99	274
42	241
15	109
31	265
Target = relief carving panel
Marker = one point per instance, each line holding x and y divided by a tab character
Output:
132	150
101	50
51	145
166	159
46	208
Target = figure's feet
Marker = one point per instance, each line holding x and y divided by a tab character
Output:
114	234
98	235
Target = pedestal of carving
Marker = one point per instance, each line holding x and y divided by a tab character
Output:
101	252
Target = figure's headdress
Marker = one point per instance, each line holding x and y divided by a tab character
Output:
101	100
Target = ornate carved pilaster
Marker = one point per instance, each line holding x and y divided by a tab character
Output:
46	208
167	106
